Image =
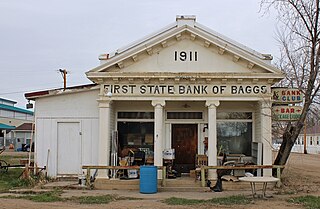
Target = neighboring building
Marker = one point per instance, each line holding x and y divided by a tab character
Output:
172	89
10	118
312	141
23	135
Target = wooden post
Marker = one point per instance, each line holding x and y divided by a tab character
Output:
88	177
164	173
278	176
203	177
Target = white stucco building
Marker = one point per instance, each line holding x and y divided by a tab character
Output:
169	90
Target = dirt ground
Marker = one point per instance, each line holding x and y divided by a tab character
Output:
301	177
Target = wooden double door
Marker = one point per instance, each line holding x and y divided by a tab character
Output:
184	141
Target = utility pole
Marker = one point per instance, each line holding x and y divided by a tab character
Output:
64	76
305	137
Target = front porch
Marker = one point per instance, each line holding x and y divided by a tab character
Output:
185	183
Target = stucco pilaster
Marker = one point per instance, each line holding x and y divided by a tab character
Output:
104	135
158	131
212	136
266	136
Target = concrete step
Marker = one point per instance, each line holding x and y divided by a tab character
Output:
63	185
173	185
180	182
183	189
67	178
116	184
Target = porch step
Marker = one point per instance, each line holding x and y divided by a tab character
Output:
239	186
174	185
182	182
116	184
63	185
183	189
67	178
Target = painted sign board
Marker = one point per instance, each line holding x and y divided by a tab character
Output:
286	113
183	89
286	95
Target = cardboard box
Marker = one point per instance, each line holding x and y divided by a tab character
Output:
193	173
148	139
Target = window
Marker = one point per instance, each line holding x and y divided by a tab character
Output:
184	115
136	136
234	137
234	115
136	115
234	132
310	140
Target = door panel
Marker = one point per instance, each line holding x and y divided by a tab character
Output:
184	141
69	148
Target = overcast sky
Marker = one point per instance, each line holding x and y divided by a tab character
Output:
39	37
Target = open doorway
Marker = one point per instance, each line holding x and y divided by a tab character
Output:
184	141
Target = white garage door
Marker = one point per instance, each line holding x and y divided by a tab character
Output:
69	148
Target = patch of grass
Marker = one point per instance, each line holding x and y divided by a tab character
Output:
104	199
308	201
183	201
12	160
44	197
129	198
55	196
10	180
232	200
52	196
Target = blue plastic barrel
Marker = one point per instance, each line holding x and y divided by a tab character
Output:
148	179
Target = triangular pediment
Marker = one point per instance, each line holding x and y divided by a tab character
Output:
186	48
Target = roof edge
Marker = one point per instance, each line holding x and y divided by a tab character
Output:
50	92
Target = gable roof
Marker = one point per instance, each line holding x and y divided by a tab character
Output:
25	127
59	91
8	101
195	31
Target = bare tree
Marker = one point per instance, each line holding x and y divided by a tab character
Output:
300	55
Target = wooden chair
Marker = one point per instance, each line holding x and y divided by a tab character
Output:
200	161
121	172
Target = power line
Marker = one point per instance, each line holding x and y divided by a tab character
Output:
16	92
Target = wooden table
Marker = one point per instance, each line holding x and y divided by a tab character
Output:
256	179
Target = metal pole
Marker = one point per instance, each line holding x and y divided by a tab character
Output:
305	137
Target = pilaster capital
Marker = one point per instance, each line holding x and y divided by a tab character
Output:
212	103
265	103
158	103
105	103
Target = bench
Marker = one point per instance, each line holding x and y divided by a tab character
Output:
246	167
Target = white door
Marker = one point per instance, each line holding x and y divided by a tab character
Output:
69	148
